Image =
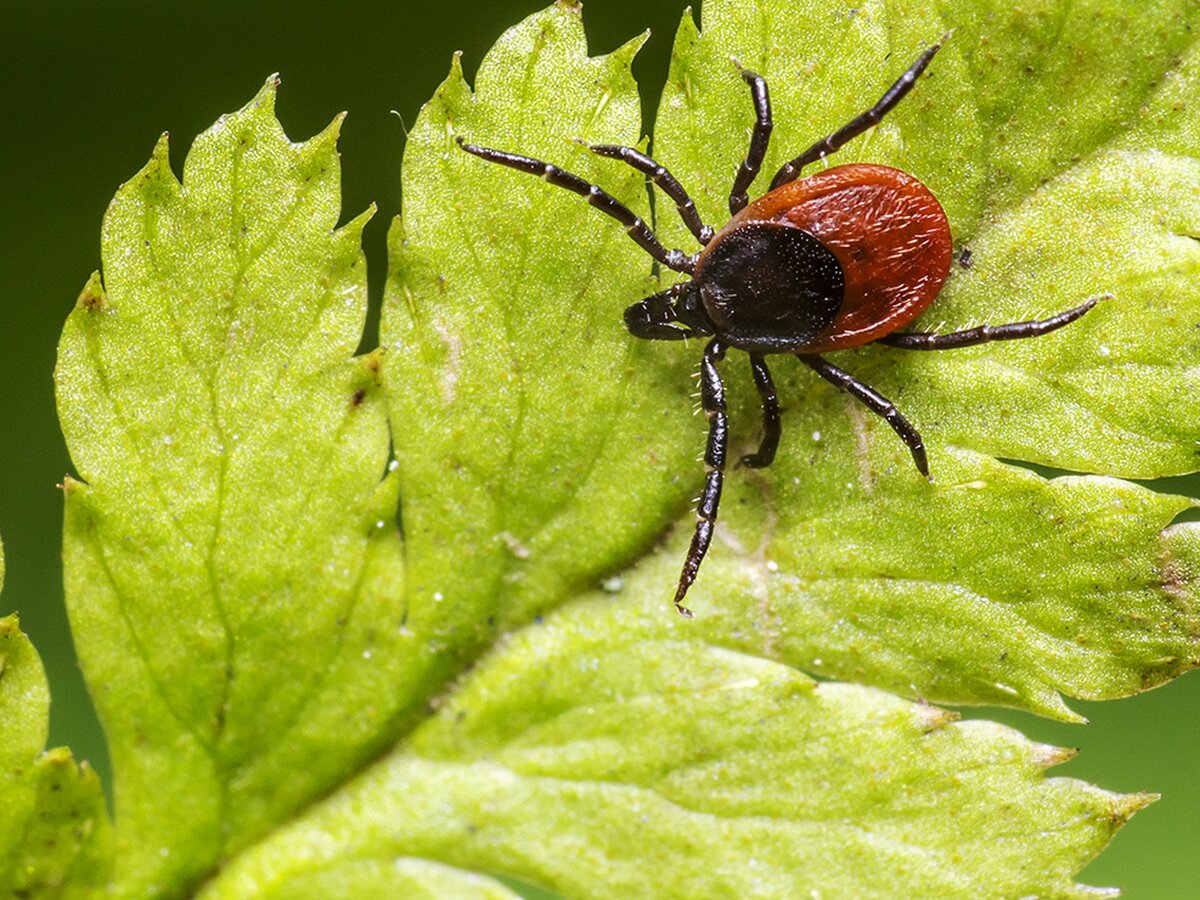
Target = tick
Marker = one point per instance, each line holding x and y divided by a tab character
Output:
833	260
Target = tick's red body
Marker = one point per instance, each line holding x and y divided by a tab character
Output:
821	263
888	234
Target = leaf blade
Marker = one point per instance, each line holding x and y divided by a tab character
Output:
56	839
232	541
506	438
658	766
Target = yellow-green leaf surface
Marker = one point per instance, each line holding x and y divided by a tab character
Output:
603	755
512	413
55	839
1066	163
300	703
231	552
566	439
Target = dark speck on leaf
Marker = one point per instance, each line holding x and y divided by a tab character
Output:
92	302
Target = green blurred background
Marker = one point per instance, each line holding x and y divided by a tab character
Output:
88	87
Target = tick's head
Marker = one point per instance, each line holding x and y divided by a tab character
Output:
673	314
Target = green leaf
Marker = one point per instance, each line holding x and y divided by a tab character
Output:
231	551
55	840
511	418
872	575
1064	161
602	761
839	559
300	705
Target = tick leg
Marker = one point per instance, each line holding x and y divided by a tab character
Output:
860	123
659	175
874	401
636	228
712	401
982	334
759	138
770	407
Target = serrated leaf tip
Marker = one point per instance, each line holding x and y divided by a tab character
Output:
159	162
1126	805
71	486
328	136
162	147
1046	756
92	298
364	217
627	51
350	234
688	29
1051	703
10	624
155	174
265	98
